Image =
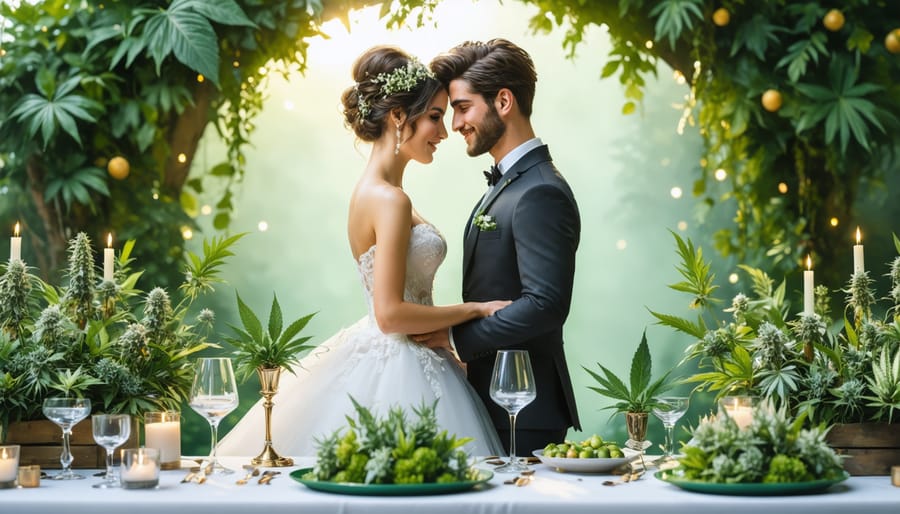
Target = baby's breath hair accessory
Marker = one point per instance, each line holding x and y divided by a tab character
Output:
361	104
403	78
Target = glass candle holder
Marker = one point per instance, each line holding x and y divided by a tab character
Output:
30	476
140	468
739	409
162	430
9	465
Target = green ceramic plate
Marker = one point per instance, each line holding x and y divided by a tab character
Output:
390	489
814	486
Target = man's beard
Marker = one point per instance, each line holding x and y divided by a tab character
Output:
487	135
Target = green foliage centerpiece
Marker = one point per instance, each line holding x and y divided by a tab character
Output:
392	450
773	449
125	349
267	352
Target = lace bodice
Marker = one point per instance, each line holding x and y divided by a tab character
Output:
427	249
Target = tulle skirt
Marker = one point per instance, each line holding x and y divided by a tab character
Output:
379	371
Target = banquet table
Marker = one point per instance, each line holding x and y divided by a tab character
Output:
548	491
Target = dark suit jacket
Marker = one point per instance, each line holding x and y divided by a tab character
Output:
529	258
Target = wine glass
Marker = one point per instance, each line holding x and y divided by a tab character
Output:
512	387
669	410
214	394
66	412
110	431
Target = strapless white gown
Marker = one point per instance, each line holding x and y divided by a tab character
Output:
378	370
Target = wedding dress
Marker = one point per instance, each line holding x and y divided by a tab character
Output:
378	370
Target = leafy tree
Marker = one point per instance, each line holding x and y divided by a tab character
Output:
826	136
132	85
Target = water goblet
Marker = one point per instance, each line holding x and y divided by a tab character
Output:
110	431
213	395
669	410
66	413
512	387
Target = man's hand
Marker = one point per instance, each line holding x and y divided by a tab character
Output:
434	340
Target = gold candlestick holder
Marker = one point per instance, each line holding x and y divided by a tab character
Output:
268	380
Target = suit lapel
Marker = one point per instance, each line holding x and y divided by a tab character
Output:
528	161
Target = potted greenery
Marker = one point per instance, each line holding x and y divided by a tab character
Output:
124	349
267	352
637	400
845	375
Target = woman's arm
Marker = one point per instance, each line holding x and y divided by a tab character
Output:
393	224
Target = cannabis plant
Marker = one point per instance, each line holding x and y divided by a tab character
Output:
640	395
125	349
826	372
255	347
389	449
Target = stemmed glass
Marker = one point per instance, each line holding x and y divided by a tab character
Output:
214	394
66	412
669	410
512	387
110	431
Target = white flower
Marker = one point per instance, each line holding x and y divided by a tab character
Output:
484	222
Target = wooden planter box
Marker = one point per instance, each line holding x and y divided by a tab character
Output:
872	447
41	442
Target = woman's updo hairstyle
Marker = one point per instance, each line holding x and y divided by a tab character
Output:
387	78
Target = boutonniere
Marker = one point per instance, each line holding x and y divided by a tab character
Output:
484	222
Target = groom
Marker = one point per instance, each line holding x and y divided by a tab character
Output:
520	240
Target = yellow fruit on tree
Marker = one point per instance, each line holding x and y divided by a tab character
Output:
771	100
892	41
118	167
833	20
721	16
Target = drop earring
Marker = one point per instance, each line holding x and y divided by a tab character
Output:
397	147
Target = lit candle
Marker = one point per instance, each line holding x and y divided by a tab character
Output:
739	409
162	430
15	245
9	464
140	468
140	472
808	287
742	416
858	264
109	257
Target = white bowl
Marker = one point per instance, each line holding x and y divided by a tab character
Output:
589	465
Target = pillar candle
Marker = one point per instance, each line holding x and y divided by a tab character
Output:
162	430
858	263
15	245
742	416
109	257
809	302
9	463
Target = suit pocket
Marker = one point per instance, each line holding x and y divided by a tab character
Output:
488	234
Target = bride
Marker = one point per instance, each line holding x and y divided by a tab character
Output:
398	106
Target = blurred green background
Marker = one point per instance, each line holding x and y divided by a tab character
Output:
622	168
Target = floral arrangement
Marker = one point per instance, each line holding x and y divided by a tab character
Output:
125	349
772	449
392	450
824	372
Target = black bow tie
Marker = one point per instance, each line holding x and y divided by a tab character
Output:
493	175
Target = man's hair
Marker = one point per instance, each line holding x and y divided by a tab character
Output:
488	68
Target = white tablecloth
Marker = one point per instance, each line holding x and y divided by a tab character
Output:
549	492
